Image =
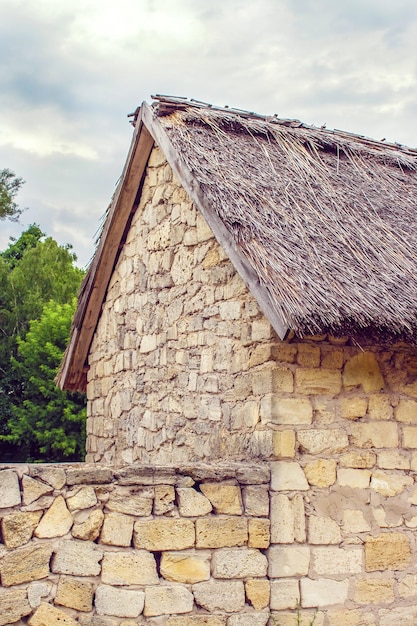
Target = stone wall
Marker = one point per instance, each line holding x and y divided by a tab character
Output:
209	545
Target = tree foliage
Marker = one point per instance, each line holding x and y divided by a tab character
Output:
9	186
38	283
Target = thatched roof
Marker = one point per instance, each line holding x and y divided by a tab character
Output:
319	223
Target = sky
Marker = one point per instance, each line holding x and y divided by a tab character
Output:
71	72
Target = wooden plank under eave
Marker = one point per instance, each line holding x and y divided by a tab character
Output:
192	187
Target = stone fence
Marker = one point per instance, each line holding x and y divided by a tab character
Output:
202	545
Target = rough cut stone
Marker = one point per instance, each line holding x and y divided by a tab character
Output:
48	615
288	475
259	533
336	562
164	499
283	443
406	615
139	505
13	605
354	478
321	473
26	564
90	529
288	411
363	370
323	592
17	528
323	530
256	501
368	435
9	489
258	593
318	381
197	620
185	567
164	534
119	602
388	551
226	499
53	475
37	591
129	568
192	503
239	563
33	489
220	595
390	484
165	600
79	558
117	530
217	532
374	591
282	519
285	594
75	594
248	619
56	522
85	498
287	561
325	441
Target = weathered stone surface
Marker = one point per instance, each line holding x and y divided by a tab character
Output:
79	558
288	411
90	529
84	498
354	478
119	602
285	594
75	594
220	595
37	591
336	562
258	593
51	474
164	534
129	568
388	551
323	592
287	561
283	444
363	370
25	564
353	408
33	489
217	532
17	528
259	533
304	618
321	473
406	615
165	600
89	474
409	439
117	529
248	619
282	519
390	484
406	411
239	563
226	499
318	381
192	503
323	530
197	620
256	501
350	617
368	436
393	459
48	615
13	605
325	441
407	587
185	567
164	499
374	591
9	489
288	475
138	504
358	459
56	522
354	521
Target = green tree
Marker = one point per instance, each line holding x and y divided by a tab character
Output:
47	424
9	186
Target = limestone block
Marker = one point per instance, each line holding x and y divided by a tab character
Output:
406	412
390	550
117	529
393	459
287	561
257	474
90	529
256	501
89	474
407	587
282	519
78	558
354	478
390	484
48	615
323	592
239	563
325	441
308	355
185	567
17	528
138	504
379	407
321	473
51	474
248	619
33	489
406	615
221	532
75	594
350	617
136	567
192	503
9	489
119	602
361	460
196	620
220	595
355	522
363	369
164	534
259	533
85	498
37	591
13	605
261	329
156	158
164	499
285	352
283	444
56	522
285	594
323	530
374	591
226	499
165	600
288	475
289	411
353	408
258	593
336	562
409	437
311	381
269	380
25	564
368	436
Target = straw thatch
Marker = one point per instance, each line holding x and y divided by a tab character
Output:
319	223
